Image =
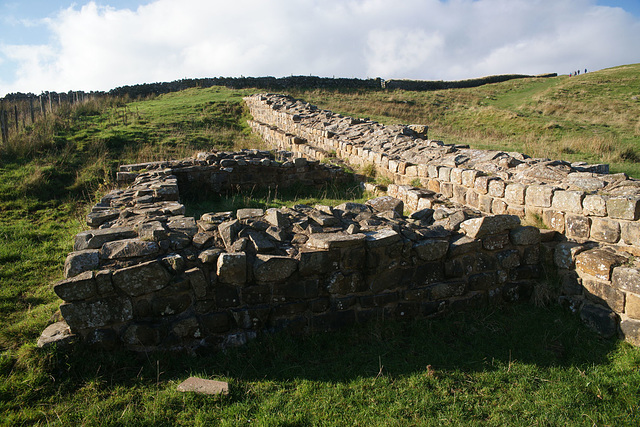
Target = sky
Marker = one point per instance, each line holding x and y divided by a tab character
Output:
60	45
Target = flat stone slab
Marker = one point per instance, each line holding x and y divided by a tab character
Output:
57	333
202	386
335	240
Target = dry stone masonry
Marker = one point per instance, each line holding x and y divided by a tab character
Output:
147	277
595	214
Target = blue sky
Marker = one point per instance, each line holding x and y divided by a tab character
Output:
101	44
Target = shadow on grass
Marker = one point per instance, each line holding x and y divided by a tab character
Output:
483	341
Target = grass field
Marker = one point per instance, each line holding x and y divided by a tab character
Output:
524	365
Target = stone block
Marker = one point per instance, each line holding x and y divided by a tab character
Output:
384	237
444	174
141	335
594	205
605	230
568	201
94	239
484	203
495	241
499	207
598	263
77	288
601	319
88	315
433	171
128	248
624	208
509	259
553	219
463	245
441	291
496	188
603	293
626	279
539	196
473	198
446	188
479	227
81	261
198	281
58	333
387	203
483	281
335	240
202	386
232	268
431	249
565	253
514	194
273	268
141	279
481	184
525	235
577	226
469	177
630	232
456	176
630	329
152	231
632	305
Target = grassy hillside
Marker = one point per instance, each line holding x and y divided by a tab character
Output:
524	365
592	117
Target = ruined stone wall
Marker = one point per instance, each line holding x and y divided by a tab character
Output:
590	209
147	277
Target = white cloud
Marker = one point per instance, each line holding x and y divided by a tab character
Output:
98	48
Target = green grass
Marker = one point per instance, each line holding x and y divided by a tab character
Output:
518	366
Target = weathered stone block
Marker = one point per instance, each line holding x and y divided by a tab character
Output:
77	288
431	249
568	201
624	208
95	238
469	177
499	207
630	232
605	230
273	268
384	237
496	187
81	261
630	329
232	268
509	259
141	335
248	213
84	315
479	227
141	279
554	220
198	281
578	227
602	320
483	281
440	291
525	235
603	293
387	203
565	254
514	194
128	248
481	184
539	195
495	241
335	240
152	231
627	279
632	305
463	245
594	205
598	263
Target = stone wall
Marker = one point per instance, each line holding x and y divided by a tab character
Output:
591	210
147	277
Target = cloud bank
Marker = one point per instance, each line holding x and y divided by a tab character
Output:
98	48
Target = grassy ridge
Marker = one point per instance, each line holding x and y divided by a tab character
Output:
525	365
592	117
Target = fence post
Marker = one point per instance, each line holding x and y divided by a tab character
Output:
31	110
15	113
2	126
